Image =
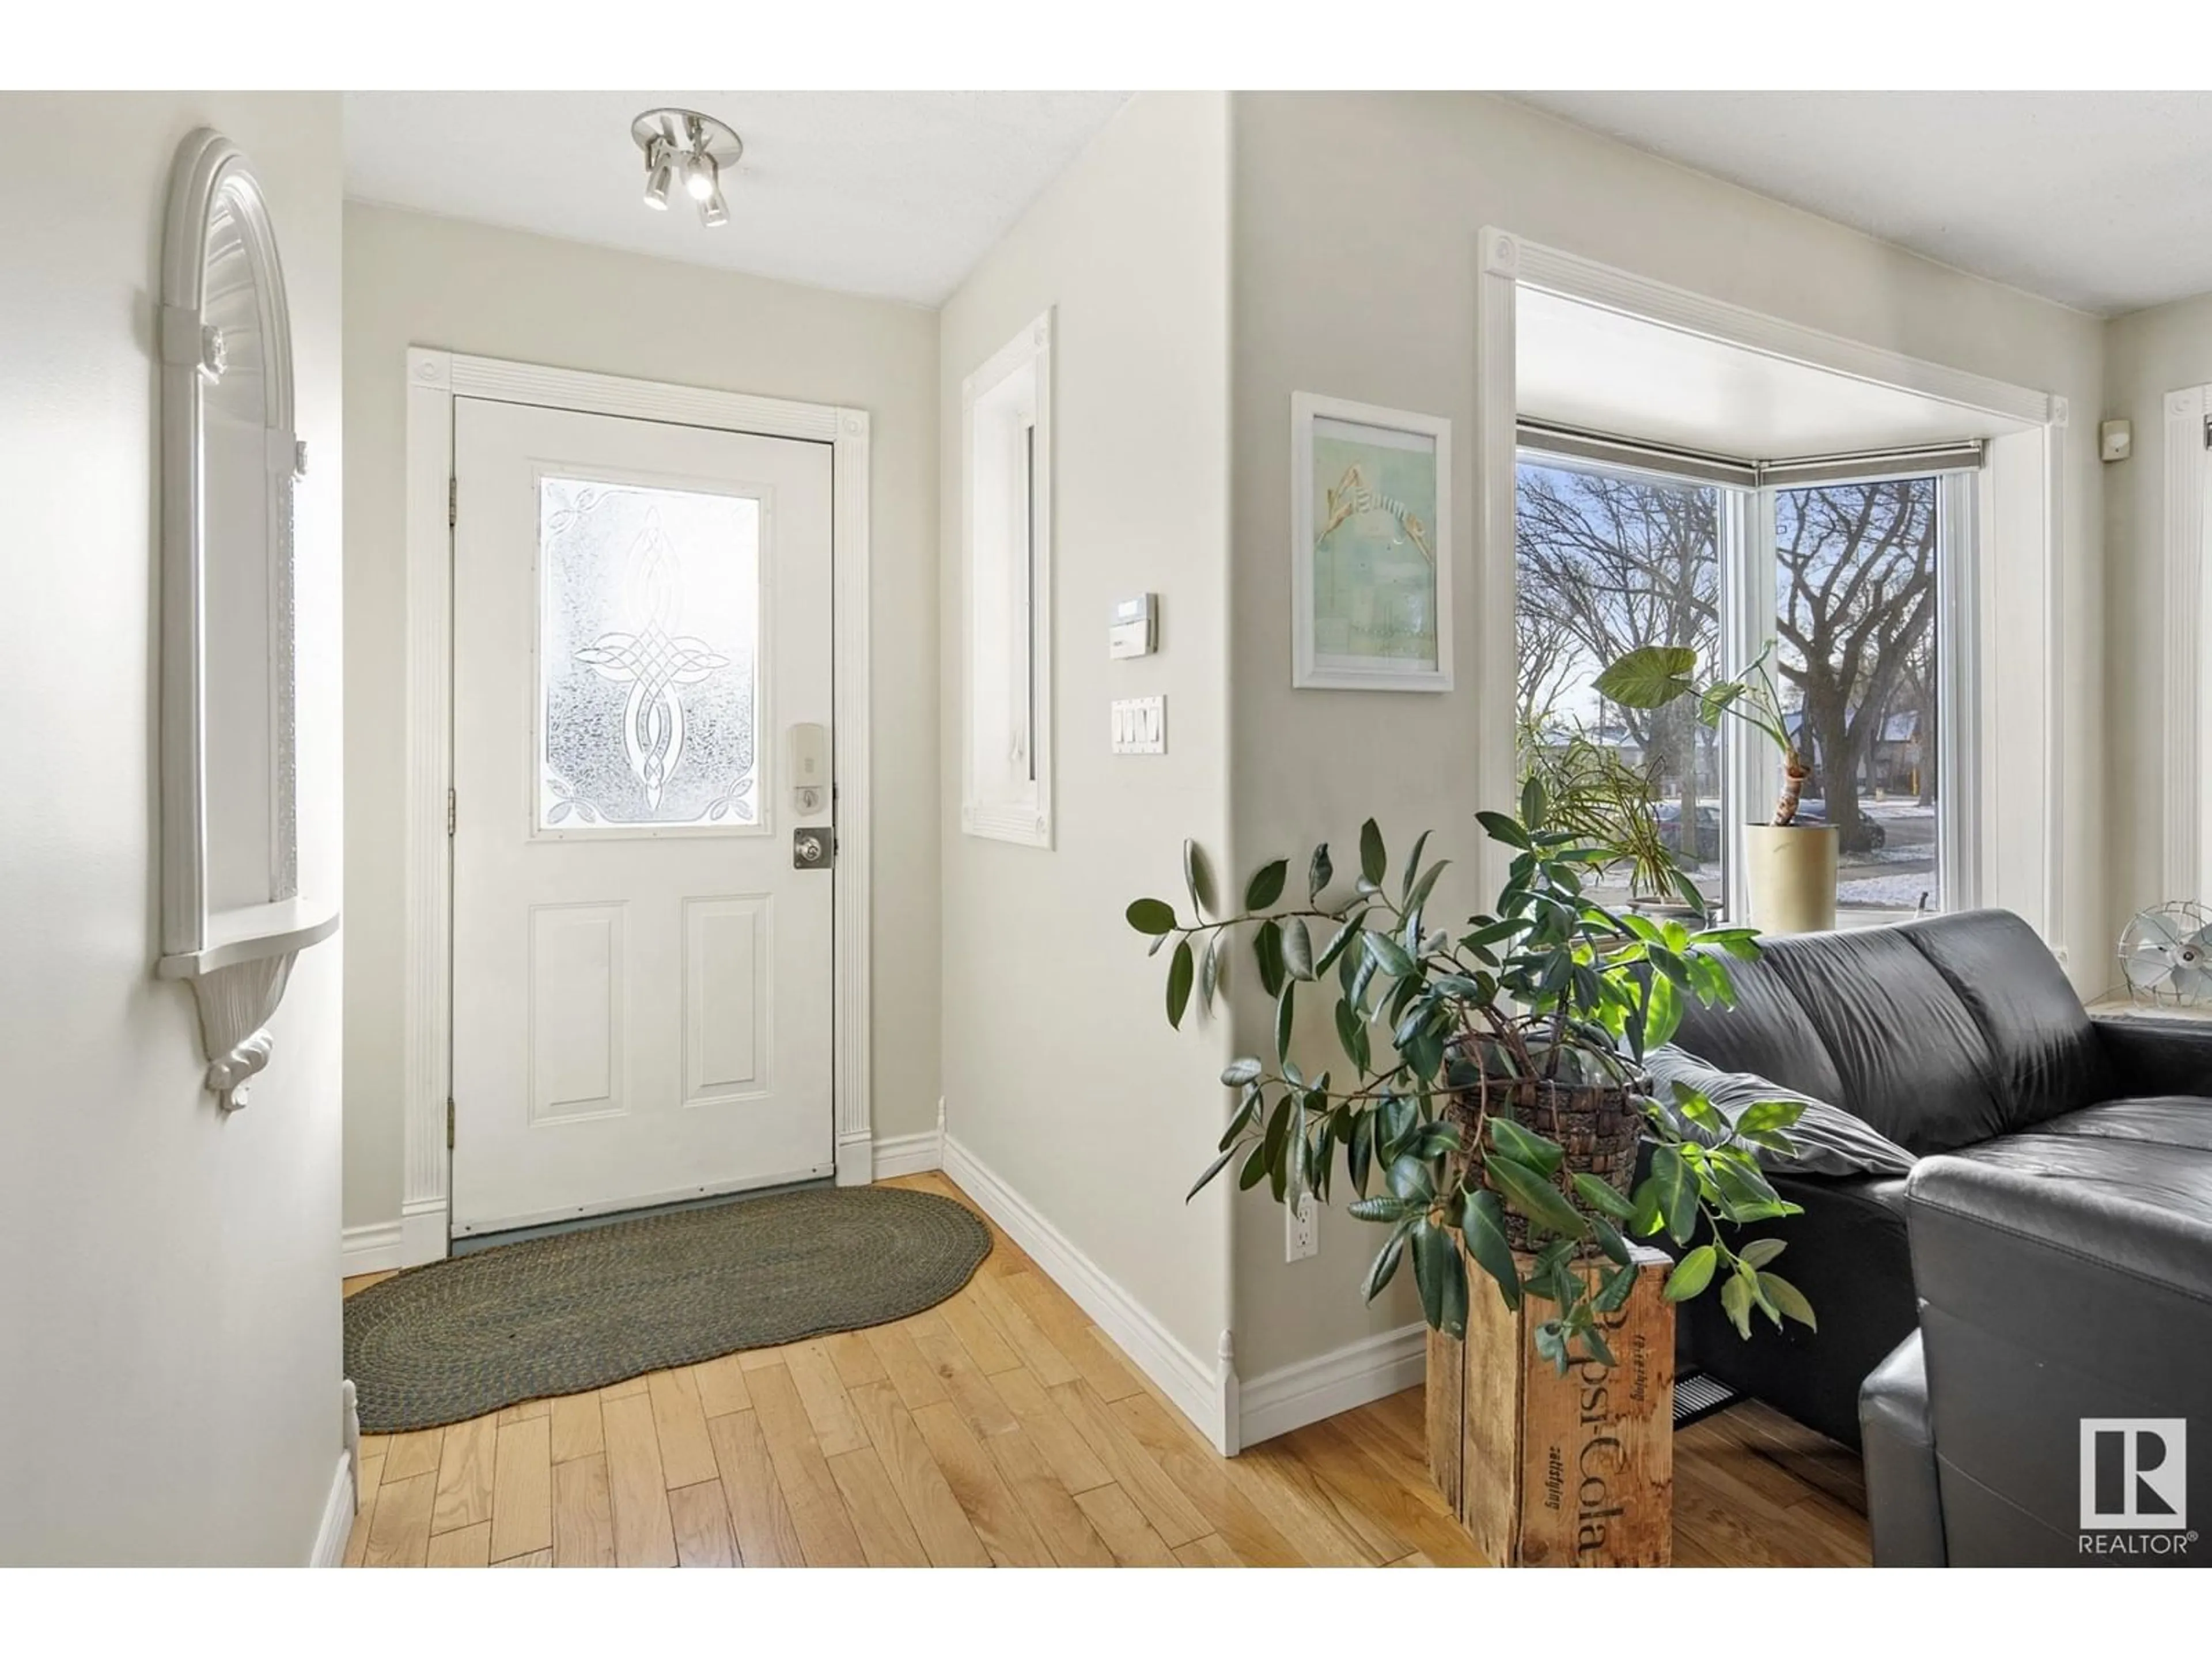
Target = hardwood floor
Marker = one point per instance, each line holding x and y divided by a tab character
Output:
1000	1428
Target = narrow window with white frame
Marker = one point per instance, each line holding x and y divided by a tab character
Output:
1006	545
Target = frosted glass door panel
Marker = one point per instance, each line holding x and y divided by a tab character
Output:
648	661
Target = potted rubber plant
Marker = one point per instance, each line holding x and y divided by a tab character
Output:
1490	1098
1789	864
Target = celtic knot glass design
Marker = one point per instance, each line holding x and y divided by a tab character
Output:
648	656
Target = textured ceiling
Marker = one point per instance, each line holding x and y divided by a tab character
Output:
2101	200
893	193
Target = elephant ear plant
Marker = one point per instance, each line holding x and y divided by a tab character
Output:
1493	1094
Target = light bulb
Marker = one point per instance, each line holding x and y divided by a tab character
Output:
660	174
715	211
700	176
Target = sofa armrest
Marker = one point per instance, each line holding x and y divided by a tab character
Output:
1904	1504
2153	1056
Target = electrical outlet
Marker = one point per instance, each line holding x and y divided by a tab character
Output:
1301	1229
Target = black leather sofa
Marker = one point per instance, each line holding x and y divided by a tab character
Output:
2055	1407
1957	1034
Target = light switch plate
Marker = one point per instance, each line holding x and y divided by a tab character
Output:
1139	726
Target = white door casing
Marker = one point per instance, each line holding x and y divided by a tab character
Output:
435	379
641	993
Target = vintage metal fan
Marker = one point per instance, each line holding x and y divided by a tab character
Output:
2166	955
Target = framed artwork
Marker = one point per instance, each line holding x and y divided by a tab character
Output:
1371	529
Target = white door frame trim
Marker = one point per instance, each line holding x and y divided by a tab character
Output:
1509	263
434	378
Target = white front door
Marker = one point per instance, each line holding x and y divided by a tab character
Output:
641	699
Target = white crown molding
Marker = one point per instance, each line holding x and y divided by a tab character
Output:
1201	1392
434	378
1373	1368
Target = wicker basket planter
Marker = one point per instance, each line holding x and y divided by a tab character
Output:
1600	1129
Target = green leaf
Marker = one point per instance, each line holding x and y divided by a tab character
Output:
1388	954
1594	1344
1152	916
1297	949
1198	878
1441	1273
1254	1170
1238	1073
1182	969
1769	1114
1267	952
1209	968
1384	1207
1551	1345
1650	677
1285	1017
1482	1225
1610	1241
1612	1295
1760	1251
1410	1180
1691	1273
1534	1197
1789	1298
1602	1195
1735	1303
1319	873
1499	827
1413	870
1267	884
1675	1188
1372	859
1385	1265
1211	1170
1532	802
1544	1157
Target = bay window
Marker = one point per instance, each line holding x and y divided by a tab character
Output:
1859	571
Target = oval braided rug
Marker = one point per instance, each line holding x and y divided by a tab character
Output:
466	1336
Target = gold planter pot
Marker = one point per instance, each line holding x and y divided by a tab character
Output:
1790	877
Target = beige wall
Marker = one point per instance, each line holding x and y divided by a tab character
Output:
413	280
169	1351
2146	354
1061	1073
1355	262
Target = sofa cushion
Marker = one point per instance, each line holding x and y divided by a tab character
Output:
2047	1053
1765	1032
1912	1058
1828	1140
2126	1156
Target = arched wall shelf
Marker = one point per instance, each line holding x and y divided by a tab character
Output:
232	917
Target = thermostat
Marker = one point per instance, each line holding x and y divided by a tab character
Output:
1134	630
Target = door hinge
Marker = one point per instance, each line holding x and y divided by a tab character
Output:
453	813
452	502
2208	432
449	1123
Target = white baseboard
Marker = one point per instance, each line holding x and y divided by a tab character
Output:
337	1518
902	1155
1277	1401
424	1234
374	1248
1202	1392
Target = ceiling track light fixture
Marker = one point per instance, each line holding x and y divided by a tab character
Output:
682	144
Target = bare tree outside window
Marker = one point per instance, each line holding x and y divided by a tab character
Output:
1606	563
1856	597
